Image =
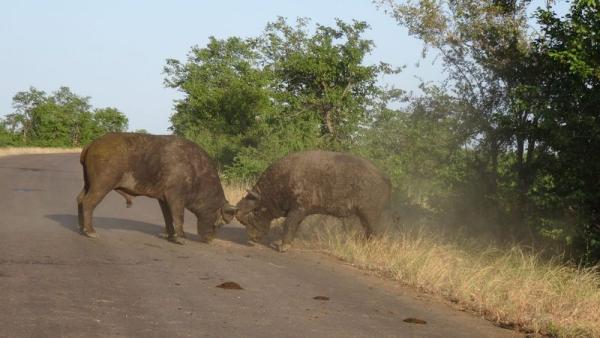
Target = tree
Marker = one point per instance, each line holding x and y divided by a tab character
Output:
109	120
417	145
249	101
226	95
323	74
567	61
21	120
484	48
60	119
6	137
67	117
528	109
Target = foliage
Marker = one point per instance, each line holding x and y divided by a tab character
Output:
322	75
526	114
567	62
109	120
420	148
60	119
6	137
482	46
250	101
225	96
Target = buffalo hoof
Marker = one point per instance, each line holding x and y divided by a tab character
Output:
91	234
207	238
177	240
283	247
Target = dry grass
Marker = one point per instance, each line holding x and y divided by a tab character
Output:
234	192
35	150
512	287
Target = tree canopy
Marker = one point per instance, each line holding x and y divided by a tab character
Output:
62	118
527	112
249	101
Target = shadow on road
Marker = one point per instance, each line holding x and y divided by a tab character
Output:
229	233
31	169
233	234
70	222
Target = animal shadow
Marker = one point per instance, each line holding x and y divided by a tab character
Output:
230	232
70	222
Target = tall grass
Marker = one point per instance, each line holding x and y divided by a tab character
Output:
513	287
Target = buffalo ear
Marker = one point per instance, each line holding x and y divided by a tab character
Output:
253	195
228	211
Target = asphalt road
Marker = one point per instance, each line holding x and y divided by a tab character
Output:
133	283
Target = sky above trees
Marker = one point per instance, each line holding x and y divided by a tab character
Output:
115	51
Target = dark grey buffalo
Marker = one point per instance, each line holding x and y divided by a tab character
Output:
175	171
314	182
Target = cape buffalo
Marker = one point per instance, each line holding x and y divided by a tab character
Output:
314	182
175	171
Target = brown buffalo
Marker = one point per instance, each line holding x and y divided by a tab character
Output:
175	171
314	182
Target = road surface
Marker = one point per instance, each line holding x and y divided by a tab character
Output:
133	283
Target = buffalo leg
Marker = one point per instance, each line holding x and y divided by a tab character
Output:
80	208
88	203
176	208
206	226
290	227
164	207
367	220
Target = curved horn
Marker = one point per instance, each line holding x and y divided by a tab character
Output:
228	211
228	208
253	194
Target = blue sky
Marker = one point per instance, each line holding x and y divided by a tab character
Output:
114	51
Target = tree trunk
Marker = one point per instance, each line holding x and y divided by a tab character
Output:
519	213
327	125
524	169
